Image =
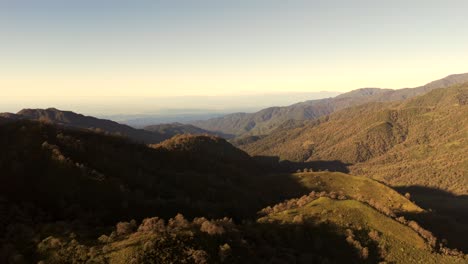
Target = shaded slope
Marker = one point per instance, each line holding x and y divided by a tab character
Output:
74	120
75	173
171	129
266	120
211	149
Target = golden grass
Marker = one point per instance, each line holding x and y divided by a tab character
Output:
356	186
400	243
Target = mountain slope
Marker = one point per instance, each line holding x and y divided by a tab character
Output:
358	188
171	129
61	188
209	147
365	228
58	168
266	120
74	120
401	143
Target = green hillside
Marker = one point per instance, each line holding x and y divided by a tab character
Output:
366	229
356	187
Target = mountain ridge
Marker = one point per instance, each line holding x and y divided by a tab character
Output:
266	120
380	133
169	130
150	135
79	121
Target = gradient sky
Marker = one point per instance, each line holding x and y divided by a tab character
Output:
68	48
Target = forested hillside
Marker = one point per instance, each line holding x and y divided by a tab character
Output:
63	190
422	141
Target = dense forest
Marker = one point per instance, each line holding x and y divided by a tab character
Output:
73	196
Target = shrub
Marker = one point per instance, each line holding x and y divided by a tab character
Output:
198	256
104	239
224	252
154	224
125	228
211	228
178	222
374	235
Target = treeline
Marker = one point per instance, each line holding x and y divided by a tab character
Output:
179	240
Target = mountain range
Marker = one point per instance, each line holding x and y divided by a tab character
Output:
401	143
372	176
74	120
265	121
150	134
61	190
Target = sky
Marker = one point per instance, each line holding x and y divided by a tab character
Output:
65	49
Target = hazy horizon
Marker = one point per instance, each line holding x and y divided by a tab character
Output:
114	106
132	108
74	53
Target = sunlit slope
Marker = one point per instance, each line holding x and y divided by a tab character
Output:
396	242
422	141
434	151
267	120
357	187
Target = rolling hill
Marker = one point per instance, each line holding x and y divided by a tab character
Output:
358	188
265	121
366	229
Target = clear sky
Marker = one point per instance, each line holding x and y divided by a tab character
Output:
67	48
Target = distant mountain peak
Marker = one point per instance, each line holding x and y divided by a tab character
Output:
448	81
363	92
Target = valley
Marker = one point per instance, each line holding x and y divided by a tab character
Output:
383	180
